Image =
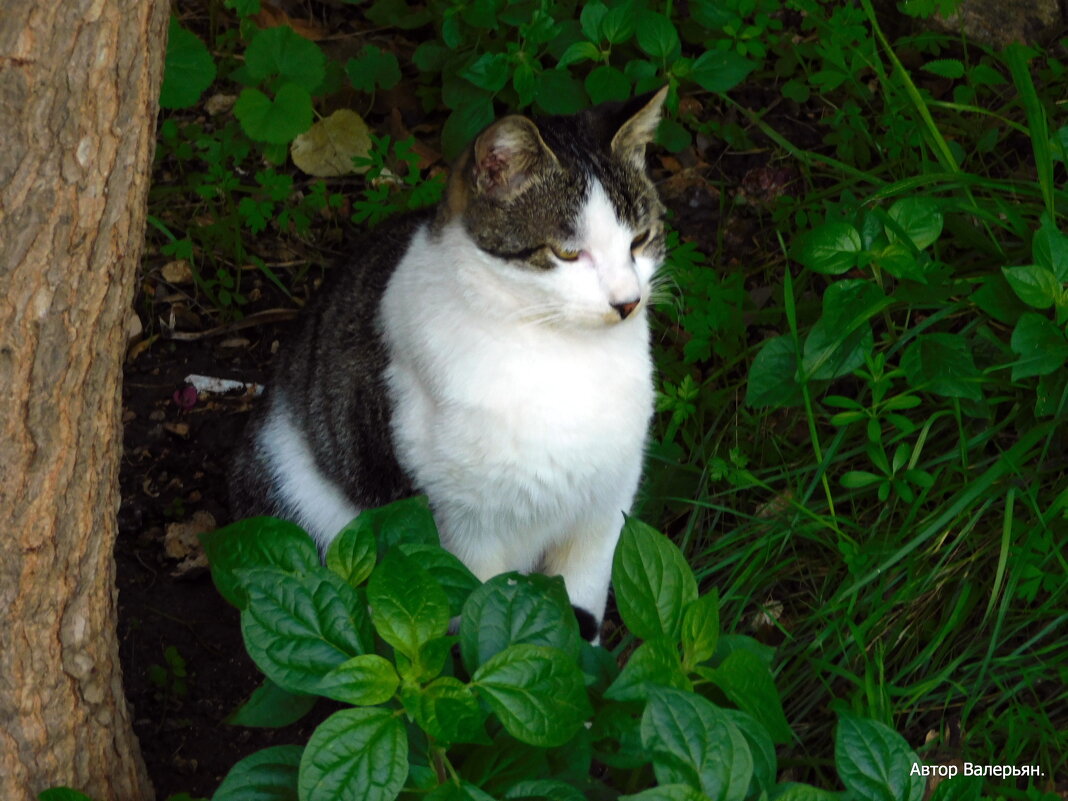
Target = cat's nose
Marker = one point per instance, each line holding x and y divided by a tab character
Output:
626	307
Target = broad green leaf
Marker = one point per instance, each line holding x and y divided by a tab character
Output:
693	742
997	299
830	249
549	789
448	571
945	68
720	70
464	791
748	683
849	303
513	608
188	68
355	755
277	121
900	261
761	748
654	663
1040	344
804	792
943	364
711	15
617	25
667	792
537	692
524	84
556	92
464	124
1050	393
590	18
407	606
672	135
579	52
405	521
449	711
327	149
606	83
270	706
657	36
267	775
1036	286
830	353
373	68
364	680
653	582
62	794
772	379
299	628
256	542
352	553
1049	248
857	479
490	71
700	629
281	51
874	762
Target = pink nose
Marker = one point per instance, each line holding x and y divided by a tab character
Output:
626	308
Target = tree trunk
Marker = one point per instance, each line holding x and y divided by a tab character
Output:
79	82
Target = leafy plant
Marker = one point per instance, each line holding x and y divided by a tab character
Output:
515	704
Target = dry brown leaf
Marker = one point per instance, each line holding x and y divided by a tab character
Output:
177	272
326	150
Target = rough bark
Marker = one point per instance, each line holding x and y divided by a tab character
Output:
79	81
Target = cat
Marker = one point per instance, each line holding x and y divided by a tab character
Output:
492	353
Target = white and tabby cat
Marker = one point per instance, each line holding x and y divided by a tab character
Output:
493	354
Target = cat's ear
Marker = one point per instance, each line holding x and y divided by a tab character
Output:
507	155
641	117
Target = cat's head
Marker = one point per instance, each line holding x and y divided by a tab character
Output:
565	212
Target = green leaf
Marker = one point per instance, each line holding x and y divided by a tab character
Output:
945	68
187	70
673	136
617	25
549	789
711	15
524	83
1049	248
607	83
849	303
761	748
1040	345
700	629
1036	286
920	219
557	92
448	710
299	628
490	71
267	775
513	608
448	571
590	18
772	376
747	682
270	706
537	692
405	521
720	70
62	794
693	742
356	755
874	762
830	249
407	606
667	792
959	788
942	364
579	52
653	664
804	792
996	298
364	680
277	121
281	51
858	479
352	553
830	353
657	36
464	124
653	582
256	542
373	68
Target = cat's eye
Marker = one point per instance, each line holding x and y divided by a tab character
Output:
565	254
640	239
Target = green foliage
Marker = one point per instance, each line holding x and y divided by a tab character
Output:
527	704
171	677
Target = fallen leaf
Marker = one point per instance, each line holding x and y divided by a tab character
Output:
177	272
326	150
